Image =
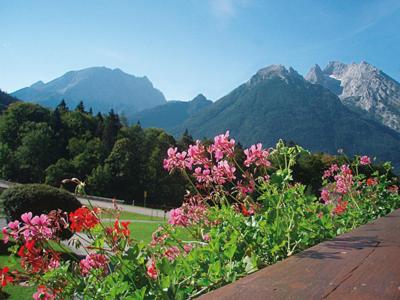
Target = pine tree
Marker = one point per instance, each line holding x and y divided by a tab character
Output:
80	107
62	107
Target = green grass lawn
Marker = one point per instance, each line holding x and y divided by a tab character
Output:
126	215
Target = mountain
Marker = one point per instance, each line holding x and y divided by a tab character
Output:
171	114
99	87
279	103
5	100
363	88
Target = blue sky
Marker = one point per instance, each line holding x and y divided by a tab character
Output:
190	46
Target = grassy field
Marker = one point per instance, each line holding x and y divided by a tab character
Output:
126	215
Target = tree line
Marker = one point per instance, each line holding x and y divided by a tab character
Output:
40	145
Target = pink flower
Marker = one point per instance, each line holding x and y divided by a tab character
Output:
325	196
178	218
198	155
152	269
177	160
14	225
222	146
6	236
93	261
223	172
245	189
172	253
43	294
187	248
203	176
192	211
54	263
331	171
158	237
345	169
257	155
206	237
26	218
365	160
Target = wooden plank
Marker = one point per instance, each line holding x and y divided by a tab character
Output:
361	264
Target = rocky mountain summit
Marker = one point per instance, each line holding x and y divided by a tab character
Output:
363	88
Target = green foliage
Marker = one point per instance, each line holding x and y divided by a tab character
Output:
219	234
36	198
43	146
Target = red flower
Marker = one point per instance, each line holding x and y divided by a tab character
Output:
83	219
340	207
245	212
371	181
122	228
4	277
151	269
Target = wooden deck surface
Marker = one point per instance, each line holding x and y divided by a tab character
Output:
362	264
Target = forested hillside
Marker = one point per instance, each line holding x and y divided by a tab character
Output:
42	145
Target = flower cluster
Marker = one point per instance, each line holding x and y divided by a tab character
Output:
193	211
256	155
83	219
93	261
365	160
158	237
172	252
177	160
342	184
340	207
223	146
33	233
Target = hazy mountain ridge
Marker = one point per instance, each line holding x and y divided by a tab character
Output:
363	88
172	113
99	87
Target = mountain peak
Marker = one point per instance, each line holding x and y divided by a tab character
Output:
363	88
199	98
315	74
37	84
274	71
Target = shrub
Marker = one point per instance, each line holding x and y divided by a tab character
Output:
36	198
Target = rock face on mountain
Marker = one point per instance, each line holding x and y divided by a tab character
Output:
171	114
98	87
363	88
279	103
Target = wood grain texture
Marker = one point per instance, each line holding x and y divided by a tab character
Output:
361	264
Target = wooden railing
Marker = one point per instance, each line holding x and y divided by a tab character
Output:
362	264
